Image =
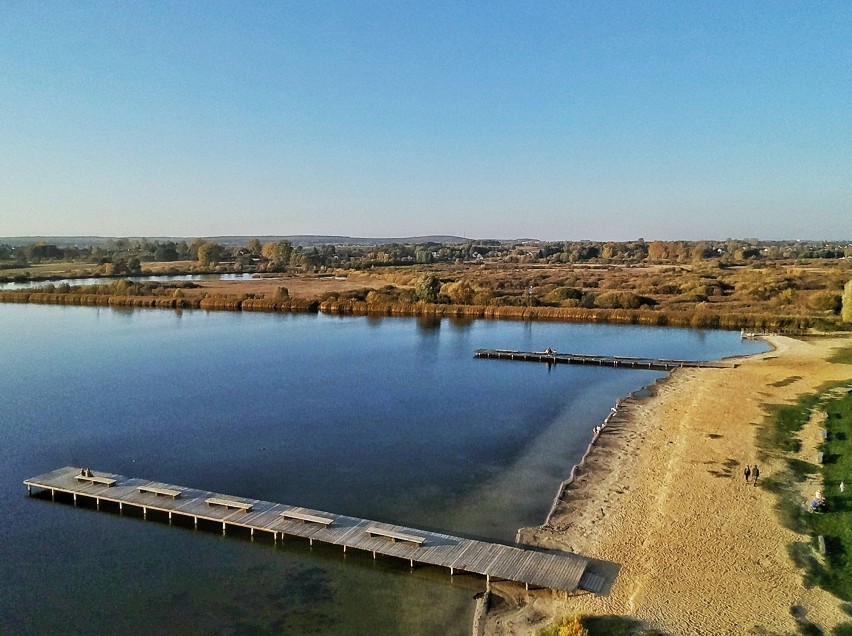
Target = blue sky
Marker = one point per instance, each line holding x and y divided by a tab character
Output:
553	120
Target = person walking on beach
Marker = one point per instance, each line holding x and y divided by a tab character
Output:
747	472
756	472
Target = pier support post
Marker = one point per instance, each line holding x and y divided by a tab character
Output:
144	512
97	503
344	548
224	526
374	554
452	571
311	540
195	522
120	507
170	517
52	494
75	498
29	490
411	563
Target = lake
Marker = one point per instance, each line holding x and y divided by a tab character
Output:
389	419
175	278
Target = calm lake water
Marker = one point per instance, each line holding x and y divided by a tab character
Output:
35	284
389	419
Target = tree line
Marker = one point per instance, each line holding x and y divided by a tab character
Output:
127	256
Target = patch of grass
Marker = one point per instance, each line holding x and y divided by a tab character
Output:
834	571
836	523
616	626
844	629
842	356
787	421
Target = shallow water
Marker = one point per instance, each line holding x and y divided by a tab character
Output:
389	419
35	284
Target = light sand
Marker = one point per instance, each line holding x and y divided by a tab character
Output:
663	496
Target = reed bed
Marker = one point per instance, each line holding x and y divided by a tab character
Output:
695	318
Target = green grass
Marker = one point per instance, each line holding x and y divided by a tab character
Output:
833	571
836	524
787	421
842	356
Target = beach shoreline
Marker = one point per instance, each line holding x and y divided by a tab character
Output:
661	501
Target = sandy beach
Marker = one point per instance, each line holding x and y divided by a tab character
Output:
663	496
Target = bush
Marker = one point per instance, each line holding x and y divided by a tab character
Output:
563	293
565	626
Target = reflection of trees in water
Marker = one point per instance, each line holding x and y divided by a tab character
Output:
461	322
428	323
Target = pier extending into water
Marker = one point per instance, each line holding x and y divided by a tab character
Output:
534	568
552	357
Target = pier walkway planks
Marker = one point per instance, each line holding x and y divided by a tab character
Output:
658	364
558	571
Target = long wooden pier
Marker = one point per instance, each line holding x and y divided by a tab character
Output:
659	364
558	571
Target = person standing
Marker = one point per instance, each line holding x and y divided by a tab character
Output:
756	472
747	472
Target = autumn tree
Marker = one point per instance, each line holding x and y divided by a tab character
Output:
278	254
426	288
209	253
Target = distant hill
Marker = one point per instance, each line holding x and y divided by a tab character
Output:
305	240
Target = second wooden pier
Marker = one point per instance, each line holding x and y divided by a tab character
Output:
552	357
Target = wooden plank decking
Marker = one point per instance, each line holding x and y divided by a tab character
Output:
558	571
658	364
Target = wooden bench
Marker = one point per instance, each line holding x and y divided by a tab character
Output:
395	536
96	479
304	516
156	490
229	503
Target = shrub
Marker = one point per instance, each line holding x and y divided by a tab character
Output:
564	293
565	626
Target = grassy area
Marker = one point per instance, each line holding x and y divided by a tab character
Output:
833	571
835	525
58	268
842	356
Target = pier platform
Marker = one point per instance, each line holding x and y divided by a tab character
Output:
657	364
533	568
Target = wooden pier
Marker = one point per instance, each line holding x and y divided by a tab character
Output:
559	571
658	364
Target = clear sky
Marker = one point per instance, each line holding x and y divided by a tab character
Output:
552	120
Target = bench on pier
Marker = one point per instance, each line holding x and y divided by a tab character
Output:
395	536
96	479
164	492
304	516
228	503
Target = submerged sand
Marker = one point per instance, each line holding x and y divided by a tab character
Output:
663	496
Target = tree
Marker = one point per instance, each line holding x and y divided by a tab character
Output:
209	253
460	293
846	311
278	254
254	247
427	287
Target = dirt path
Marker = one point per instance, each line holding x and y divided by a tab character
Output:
701	551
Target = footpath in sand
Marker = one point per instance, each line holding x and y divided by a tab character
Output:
664	497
